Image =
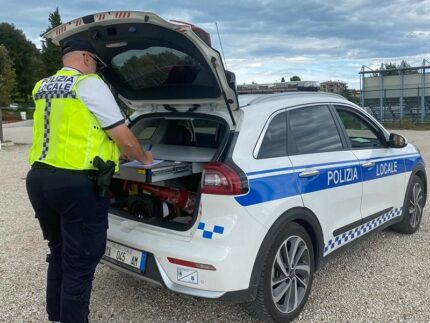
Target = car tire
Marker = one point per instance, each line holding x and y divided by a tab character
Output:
284	284
412	207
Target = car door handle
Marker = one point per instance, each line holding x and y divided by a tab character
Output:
368	164
309	173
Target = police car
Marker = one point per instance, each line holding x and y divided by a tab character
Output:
244	203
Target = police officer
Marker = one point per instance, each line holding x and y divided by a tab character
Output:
76	119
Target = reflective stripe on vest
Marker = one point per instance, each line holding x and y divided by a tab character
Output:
65	133
48	96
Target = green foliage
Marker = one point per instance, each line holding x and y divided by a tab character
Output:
51	54
295	78
351	95
25	57
388	69
7	77
54	19
282	79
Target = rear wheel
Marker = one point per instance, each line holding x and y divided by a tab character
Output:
412	208
286	278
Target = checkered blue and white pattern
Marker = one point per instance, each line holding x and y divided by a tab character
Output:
362	229
207	234
48	96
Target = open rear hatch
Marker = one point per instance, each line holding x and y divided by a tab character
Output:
188	103
154	65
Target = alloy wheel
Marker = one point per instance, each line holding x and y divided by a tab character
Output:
415	205
290	274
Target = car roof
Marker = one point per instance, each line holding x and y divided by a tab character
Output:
268	103
257	107
287	99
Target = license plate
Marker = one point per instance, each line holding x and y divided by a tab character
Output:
126	255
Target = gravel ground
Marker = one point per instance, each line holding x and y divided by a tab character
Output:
385	278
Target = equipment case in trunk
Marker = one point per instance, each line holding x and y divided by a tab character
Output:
159	172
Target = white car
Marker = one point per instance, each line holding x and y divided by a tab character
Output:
245	202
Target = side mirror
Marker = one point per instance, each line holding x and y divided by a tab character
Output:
397	141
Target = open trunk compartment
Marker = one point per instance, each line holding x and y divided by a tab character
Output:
167	194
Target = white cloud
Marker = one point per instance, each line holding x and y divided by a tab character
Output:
265	40
421	34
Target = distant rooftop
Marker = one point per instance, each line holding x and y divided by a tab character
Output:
278	87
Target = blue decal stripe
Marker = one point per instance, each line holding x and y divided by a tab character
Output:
394	156
353	234
269	188
327	178
218	229
268	171
208	234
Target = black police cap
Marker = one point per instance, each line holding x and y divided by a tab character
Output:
75	44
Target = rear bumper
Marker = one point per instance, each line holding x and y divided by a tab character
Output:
155	275
227	239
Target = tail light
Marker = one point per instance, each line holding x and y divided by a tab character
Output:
221	179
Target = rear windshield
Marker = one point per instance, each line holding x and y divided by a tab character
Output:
158	66
149	62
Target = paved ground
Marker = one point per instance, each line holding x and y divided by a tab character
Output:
385	278
18	132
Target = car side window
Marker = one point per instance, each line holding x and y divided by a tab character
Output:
361	134
274	143
313	130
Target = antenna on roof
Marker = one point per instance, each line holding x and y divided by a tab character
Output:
222	50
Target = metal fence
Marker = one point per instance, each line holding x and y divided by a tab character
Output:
397	94
394	108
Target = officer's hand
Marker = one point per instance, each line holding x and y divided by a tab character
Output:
123	158
149	158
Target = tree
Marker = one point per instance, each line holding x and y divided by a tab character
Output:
388	69
295	78
282	79
7	77
51	54
351	95
406	65
25	57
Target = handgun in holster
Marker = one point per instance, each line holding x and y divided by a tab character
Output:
106	170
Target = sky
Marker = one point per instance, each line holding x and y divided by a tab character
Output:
265	40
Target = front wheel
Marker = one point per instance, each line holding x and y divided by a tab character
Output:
286	277
412	208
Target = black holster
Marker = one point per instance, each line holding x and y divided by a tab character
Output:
106	170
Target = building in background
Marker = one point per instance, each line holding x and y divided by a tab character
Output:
333	87
255	88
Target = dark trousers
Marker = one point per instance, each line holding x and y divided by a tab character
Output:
73	219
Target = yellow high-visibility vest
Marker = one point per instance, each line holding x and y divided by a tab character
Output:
65	133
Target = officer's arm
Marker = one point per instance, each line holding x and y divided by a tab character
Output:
129	144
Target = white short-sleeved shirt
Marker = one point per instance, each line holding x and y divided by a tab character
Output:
99	100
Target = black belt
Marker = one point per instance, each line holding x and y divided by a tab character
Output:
39	165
